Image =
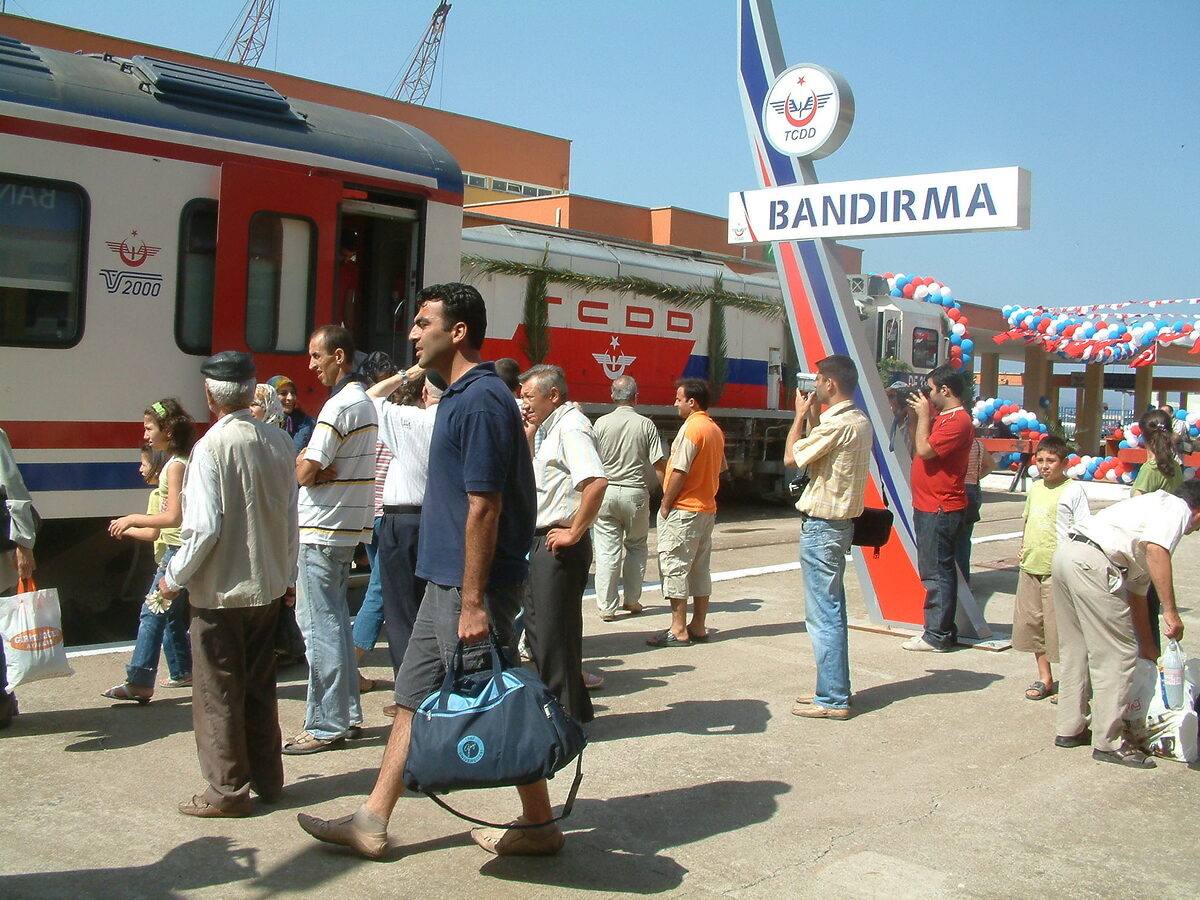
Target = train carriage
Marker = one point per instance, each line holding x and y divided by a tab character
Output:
152	213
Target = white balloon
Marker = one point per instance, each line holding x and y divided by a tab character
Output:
1033	471
946	292
921	293
959	328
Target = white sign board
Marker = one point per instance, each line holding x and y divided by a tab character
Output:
977	200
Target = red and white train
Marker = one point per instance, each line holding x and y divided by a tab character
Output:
153	212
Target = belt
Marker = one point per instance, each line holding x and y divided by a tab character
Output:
1084	539
401	510
542	532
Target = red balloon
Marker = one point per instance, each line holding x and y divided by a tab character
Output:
998	415
889	274
1042	325
955	363
963	321
956	351
953	313
909	289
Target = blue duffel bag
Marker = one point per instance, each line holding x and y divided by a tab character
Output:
491	728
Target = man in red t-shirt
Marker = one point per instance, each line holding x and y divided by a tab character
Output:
942	446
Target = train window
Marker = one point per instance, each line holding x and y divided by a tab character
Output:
279	283
197	275
925	348
42	228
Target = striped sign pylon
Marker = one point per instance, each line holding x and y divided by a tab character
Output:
823	321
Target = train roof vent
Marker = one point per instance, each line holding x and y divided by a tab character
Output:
180	83
17	55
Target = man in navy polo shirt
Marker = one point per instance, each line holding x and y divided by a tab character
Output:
476	527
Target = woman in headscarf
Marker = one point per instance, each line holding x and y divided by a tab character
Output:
266	406
296	421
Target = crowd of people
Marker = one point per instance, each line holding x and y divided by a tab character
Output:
478	491
1090	588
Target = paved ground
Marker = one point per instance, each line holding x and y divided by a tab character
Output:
698	782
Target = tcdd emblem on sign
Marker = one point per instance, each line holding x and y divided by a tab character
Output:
808	111
470	749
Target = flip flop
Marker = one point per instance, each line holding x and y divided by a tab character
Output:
122	692
185	681
1039	690
699	638
667	639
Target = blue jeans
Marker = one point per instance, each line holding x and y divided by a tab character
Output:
937	538
962	549
324	618
167	631
369	620
823	546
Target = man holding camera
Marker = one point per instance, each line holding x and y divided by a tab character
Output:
942	443
835	445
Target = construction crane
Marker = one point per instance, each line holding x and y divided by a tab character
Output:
418	77
247	48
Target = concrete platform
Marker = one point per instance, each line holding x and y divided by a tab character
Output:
699	782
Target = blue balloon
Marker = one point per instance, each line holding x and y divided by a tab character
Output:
967	346
955	339
1043	428
896	292
1181	414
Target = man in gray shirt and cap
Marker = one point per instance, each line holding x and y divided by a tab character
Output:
238	558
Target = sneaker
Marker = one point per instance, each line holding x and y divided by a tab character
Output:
348	831
1125	755
608	617
920	645
390	710
634	609
544	841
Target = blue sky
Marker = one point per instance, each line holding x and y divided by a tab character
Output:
1099	100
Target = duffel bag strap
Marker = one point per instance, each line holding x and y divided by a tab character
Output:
566	806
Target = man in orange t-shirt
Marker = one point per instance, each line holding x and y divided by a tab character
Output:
685	520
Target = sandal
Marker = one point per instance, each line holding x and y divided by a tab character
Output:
122	692
1039	690
185	681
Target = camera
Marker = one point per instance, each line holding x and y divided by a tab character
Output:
904	389
797	485
806	381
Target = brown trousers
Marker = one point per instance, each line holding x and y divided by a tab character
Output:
235	713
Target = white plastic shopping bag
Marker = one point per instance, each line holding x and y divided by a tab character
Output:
1145	683
31	624
1175	733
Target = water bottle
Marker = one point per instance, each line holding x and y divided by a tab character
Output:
1172	663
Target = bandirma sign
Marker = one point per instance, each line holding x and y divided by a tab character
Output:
976	200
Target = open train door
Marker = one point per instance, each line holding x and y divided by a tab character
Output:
276	253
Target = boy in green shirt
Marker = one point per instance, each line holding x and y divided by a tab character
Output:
1053	506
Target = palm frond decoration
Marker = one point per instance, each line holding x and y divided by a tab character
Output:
687	297
718	347
536	344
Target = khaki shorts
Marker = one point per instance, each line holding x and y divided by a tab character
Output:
1034	629
685	553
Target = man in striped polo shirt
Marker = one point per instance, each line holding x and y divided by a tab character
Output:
336	473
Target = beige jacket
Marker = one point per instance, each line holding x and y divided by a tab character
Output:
240	534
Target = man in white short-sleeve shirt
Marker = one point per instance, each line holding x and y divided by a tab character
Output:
336	472
570	484
1101	574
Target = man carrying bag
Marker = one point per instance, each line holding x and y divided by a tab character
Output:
476	527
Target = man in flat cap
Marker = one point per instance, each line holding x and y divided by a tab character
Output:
238	559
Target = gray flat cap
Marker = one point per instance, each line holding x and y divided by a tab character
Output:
229	365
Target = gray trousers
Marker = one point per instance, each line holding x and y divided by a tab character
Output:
1097	646
621	527
235	713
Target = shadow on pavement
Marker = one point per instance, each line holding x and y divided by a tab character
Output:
620	681
204	862
943	681
686	717
621	852
112	727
